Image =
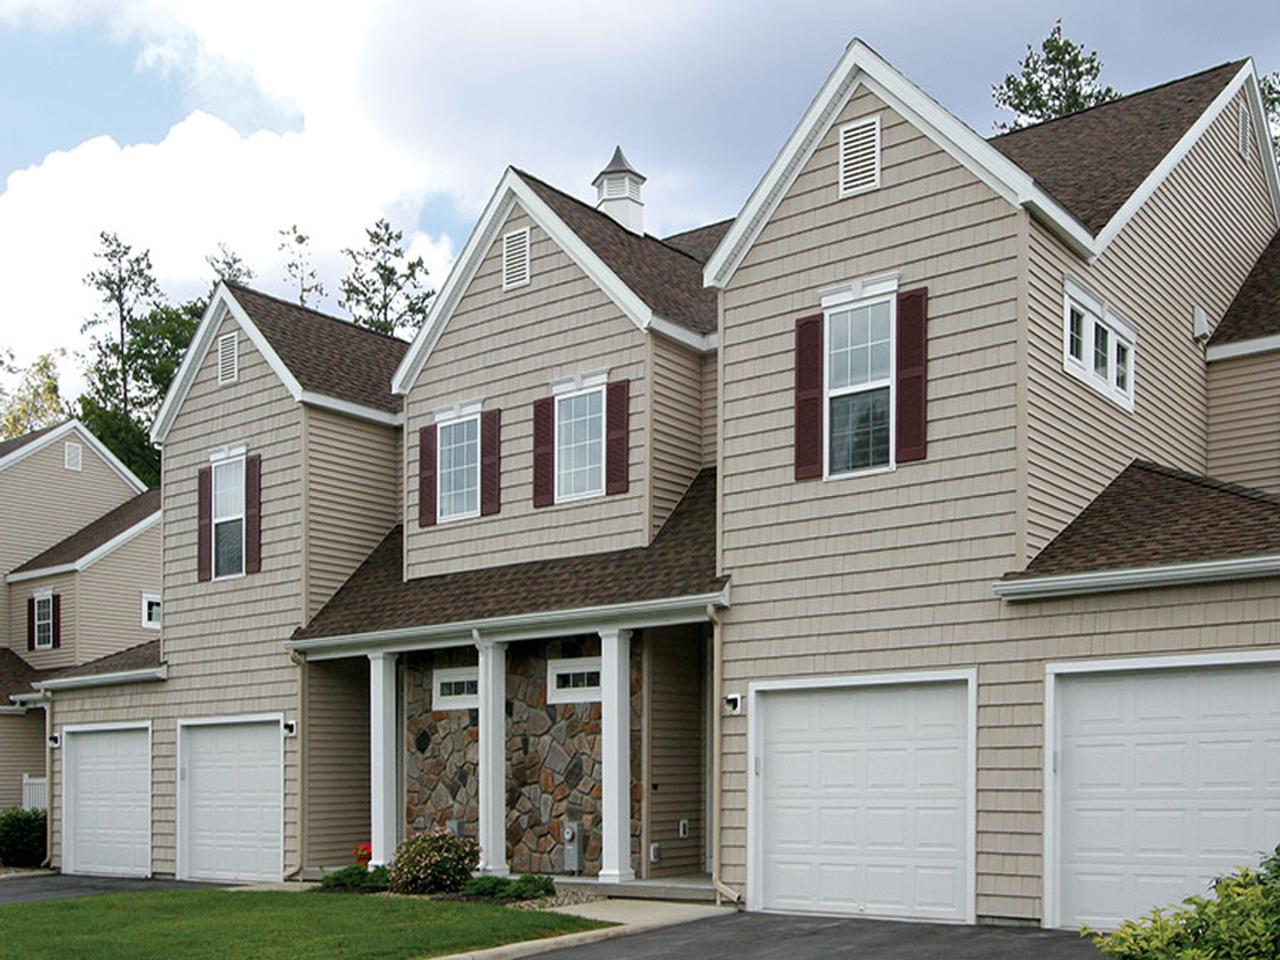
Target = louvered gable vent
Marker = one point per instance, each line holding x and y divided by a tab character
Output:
860	156
228	358
515	258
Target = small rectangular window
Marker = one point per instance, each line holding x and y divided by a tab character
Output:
860	156
1075	332
44	622
580	444
228	358
1100	349
515	259
458	469
228	518
860	351
1091	328
1122	368
456	688
574	680
151	611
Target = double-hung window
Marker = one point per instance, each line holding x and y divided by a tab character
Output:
228	517
859	385
44	621
1098	347
580	443
458	468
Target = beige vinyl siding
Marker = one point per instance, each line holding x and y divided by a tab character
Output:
109	615
888	571
677	423
336	732
223	640
1244	420
506	348
41	503
1170	258
710	412
21	751
351	497
67	587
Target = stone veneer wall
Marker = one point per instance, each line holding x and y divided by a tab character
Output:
553	757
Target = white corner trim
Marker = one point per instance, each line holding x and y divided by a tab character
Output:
1241	348
358	410
94	555
120	677
1137	578
78	428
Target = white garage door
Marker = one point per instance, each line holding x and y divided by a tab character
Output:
1166	778
107	788
864	803
231	808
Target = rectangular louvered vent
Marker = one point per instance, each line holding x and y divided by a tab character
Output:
1243	129
72	456
860	156
228	358
515	259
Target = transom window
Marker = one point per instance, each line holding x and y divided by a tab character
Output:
151	611
1098	347
228	518
44	622
457	688
458	468
580	444
859	378
573	680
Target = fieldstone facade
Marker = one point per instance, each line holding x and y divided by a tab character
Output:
553	756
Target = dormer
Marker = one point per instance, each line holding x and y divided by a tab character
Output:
618	192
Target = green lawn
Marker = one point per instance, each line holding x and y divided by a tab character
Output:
195	924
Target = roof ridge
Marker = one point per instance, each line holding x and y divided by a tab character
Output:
1128	96
317	313
1203	480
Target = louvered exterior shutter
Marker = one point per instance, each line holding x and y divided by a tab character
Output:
544	452
204	532
253	513
808	399
490	462
427	476
57	620
912	362
617	437
31	623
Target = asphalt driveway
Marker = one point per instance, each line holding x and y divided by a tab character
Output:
55	886
760	936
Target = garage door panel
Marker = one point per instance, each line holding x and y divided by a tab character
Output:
108	803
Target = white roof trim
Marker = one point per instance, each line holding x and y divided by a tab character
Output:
357	410
1242	348
104	679
94	555
75	426
1137	578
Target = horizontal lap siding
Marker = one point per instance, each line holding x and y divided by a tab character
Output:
506	349
1244	420
224	641
337	759
677	424
65	585
1170	258
21	751
351	497
110	608
710	409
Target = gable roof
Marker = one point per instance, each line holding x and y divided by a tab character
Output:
1094	160
1254	314
143	658
14	444
322	360
16	675
19	448
860	66
95	540
700	242
1157	518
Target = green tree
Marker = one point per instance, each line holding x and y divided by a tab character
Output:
126	286
298	271
1058	79
36	402
227	265
1270	85
384	289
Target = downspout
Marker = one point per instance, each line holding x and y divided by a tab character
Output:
304	782
723	891
48	780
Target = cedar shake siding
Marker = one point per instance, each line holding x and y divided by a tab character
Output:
1168	259
505	349
109	616
1244	420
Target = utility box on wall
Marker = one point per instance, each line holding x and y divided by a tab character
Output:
572	847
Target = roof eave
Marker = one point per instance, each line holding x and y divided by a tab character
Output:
118	678
1136	578
75	426
90	557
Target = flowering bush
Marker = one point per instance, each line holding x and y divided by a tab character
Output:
363	854
433	863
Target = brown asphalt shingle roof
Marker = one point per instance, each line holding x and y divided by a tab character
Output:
700	242
325	354
141	657
1255	312
680	562
1151	515
17	443
667	279
88	538
16	675
1091	162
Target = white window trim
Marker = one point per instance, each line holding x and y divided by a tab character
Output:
1098	311
232	338
441	516
567	392
230	455
440	701
39	596
572	694
67	449
874	122
528	259
876	290
148	598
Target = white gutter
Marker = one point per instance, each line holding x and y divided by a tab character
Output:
13	711
104	679
1137	578
358	410
531	626
1241	348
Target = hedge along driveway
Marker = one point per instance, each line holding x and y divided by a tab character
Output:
242	925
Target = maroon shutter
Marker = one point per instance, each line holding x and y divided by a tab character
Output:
253	513
204	535
808	429
57	620
544	452
617	436
490	462
427	476
31	623
912	362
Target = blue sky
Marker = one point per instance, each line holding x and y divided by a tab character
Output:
180	124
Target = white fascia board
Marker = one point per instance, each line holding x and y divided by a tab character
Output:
118	678
702	342
94	555
83	432
357	410
1137	578
1242	348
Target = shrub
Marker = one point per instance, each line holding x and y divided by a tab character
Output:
531	886
22	835
355	879
534	886
488	885
1240	921
433	863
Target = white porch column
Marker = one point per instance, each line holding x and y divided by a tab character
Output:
384	801
493	755
615	755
